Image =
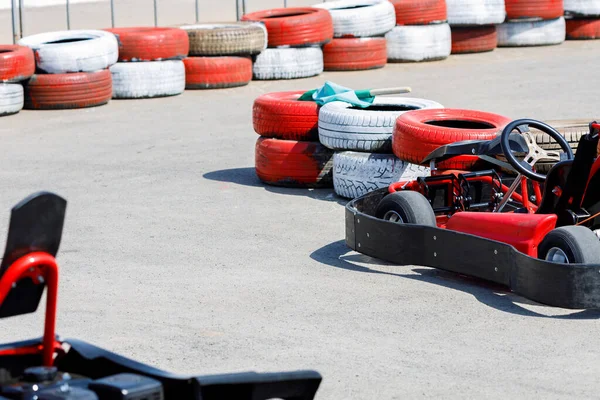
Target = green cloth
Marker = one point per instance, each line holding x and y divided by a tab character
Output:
333	92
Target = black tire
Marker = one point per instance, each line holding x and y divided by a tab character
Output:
411	207
579	244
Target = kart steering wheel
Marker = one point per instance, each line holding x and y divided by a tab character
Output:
536	153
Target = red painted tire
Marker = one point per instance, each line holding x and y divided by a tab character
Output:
418	133
65	91
293	164
474	39
280	115
299	26
217	72
151	44
355	54
420	12
17	63
583	29
542	9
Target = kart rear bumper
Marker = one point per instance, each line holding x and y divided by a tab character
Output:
574	286
93	362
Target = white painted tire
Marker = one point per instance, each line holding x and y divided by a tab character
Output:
90	50
148	79
532	33
360	18
343	127
11	98
475	12
356	174
288	63
419	43
582	8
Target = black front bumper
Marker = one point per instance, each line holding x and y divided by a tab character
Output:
574	286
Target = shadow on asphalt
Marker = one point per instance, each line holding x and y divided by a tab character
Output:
247	177
490	294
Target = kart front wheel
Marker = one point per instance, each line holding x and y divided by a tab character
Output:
406	207
570	245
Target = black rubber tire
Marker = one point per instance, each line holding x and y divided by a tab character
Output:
413	208
580	244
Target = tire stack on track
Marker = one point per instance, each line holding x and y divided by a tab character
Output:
418	133
582	19
150	62
362	139
17	64
295	37
220	54
421	33
358	29
72	69
288	152
532	23
473	24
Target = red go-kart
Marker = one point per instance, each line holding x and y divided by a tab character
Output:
536	233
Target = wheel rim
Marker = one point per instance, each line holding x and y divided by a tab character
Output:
393	216
557	255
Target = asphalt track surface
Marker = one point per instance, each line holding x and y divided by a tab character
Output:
176	255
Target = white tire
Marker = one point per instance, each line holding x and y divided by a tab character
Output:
419	43
11	98
148	79
360	18
582	8
356	174
532	33
343	127
475	12
73	51
288	63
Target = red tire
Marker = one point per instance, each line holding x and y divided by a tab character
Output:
151	44
543	9
300	26
582	29
355	54
64	91
474	39
280	115
418	133
420	12
293	164
217	72
17	63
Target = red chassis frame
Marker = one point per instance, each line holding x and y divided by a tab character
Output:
524	231
41	268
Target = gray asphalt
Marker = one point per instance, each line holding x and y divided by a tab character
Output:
176	255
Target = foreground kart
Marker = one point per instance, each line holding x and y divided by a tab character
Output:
51	368
537	236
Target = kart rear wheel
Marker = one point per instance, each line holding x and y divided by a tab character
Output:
570	245
406	207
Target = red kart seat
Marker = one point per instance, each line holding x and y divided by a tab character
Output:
523	231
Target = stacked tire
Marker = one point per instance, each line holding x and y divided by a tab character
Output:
71	69
421	33
17	64
358	29
417	133
532	23
295	37
362	140
582	19
150	62
220	54
473	24
288	152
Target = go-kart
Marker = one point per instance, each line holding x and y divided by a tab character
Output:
535	233
51	368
